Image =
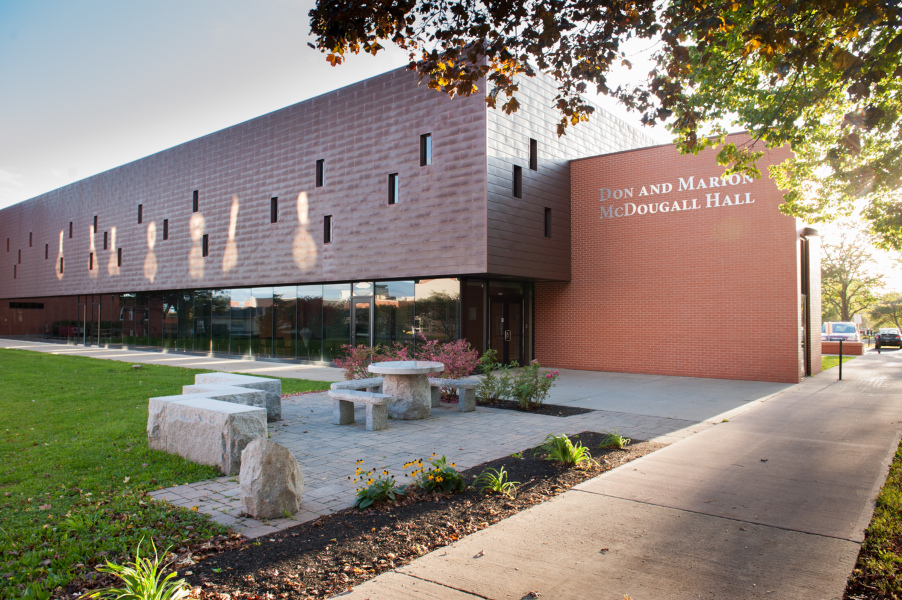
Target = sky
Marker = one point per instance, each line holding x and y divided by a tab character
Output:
91	85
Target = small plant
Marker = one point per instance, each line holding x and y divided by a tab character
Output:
379	487
143	580
495	480
440	477
559	448
614	440
530	386
517	455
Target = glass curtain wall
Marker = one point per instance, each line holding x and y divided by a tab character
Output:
261	332
186	320
394	319
437	309
202	325
242	323
336	319
170	302
220	320
284	321
310	322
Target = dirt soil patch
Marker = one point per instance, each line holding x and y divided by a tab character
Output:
334	553
552	410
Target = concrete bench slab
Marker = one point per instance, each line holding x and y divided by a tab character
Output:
466	392
202	430
272	387
370	384
228	393
376	408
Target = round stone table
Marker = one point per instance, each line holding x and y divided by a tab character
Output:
407	381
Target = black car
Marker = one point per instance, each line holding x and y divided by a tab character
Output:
888	337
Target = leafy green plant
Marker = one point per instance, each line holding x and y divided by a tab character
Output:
379	487
143	580
439	477
614	440
559	448
531	386
495	480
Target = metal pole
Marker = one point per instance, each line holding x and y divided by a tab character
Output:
840	360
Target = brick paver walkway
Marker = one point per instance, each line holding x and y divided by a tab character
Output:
327	453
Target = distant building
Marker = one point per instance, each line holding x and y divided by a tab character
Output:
384	210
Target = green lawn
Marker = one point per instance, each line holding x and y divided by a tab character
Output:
75	466
828	362
878	572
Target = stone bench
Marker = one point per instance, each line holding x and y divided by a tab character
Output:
376	408
272	387
370	384
228	393
466	392
203	430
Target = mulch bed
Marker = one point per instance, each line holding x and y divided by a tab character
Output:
334	553
553	410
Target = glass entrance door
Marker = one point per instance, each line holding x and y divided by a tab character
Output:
506	329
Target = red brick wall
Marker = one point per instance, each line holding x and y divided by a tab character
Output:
706	292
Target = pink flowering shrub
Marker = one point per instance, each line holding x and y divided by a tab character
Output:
529	386
460	359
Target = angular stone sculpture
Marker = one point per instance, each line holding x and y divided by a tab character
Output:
205	431
228	393
272	387
270	483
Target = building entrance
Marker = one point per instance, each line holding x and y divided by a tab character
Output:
506	321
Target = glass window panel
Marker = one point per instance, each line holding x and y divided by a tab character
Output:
394	319
153	319
261	335
473	314
310	322
127	318
437	308
221	320
336	319
202	320
186	320
284	307
106	318
242	322
171	319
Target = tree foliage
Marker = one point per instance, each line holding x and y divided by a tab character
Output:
847	284
820	75
887	312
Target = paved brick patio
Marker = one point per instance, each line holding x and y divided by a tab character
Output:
327	453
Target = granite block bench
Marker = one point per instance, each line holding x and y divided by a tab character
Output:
228	393
272	387
376	408
203	430
370	384
466	392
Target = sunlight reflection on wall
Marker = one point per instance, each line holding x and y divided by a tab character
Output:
150	262
196	254
93	272
112	265
230	258
304	249
59	257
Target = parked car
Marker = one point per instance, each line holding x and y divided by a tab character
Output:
888	336
833	331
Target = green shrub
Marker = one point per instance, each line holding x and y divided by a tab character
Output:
495	480
143	580
440	477
614	440
377	488
559	448
528	386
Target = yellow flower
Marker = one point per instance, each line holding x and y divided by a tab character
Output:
369	482
433	455
358	471
359	462
439	479
453	465
430	477
385	472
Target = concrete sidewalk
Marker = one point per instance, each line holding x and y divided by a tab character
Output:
772	504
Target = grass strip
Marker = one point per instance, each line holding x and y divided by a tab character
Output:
75	467
878	572
830	361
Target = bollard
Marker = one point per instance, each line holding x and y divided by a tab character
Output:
840	360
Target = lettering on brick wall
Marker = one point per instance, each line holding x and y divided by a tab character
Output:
712	199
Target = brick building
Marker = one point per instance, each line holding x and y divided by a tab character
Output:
384	210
